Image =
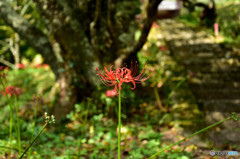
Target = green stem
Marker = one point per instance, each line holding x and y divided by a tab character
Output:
198	132
39	133
34	125
11	114
18	128
82	131
119	125
158	99
11	125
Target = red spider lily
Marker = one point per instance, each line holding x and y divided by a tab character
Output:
155	25
163	48
111	93
108	78
129	75
121	75
13	91
20	66
46	66
37	65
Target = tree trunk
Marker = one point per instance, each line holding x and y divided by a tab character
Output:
66	96
80	36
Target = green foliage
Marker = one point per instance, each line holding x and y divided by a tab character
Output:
144	124
5	33
228	19
27	9
33	81
192	18
140	137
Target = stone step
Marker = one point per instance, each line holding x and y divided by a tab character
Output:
215	77
216	80
215	85
200	55
196	69
210	62
192	47
221	105
215	94
185	53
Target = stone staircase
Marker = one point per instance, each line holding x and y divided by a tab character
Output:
215	71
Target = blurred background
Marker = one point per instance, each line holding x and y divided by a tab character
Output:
51	49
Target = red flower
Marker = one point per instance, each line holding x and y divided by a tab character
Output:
13	91
154	25
163	48
21	66
37	65
108	78
45	66
121	75
129	75
111	93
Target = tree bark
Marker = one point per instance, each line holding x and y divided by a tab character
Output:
130	52
28	32
80	35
